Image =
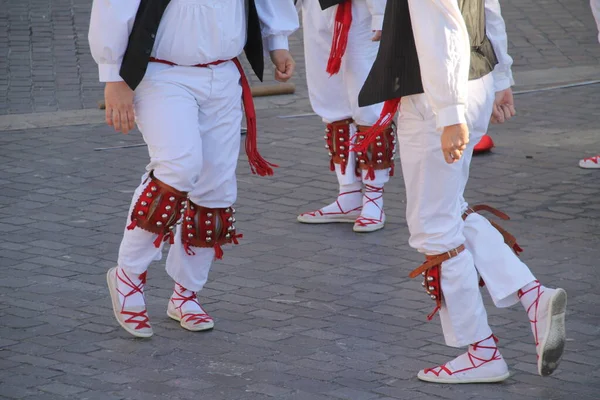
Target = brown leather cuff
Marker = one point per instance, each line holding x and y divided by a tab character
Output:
379	154
337	137
158	209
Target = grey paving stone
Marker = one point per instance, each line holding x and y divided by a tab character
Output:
302	312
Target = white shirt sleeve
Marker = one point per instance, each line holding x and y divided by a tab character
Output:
278	20
496	32
110	25
444	51
595	6
377	9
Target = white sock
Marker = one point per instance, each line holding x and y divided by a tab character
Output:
481	353
185	300
349	199
372	202
529	296
130	288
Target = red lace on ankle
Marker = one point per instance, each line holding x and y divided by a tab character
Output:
337	202
472	358
196	318
365	221
535	303
139	318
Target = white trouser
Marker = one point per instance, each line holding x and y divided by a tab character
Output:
190	118
335	98
595	6
435	203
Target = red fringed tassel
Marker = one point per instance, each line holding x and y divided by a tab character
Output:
235	238
218	252
371	173
132	225
158	241
188	250
435	310
390	107
517	249
258	165
343	21
331	165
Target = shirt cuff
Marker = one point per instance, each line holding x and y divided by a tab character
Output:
451	116
109	72
502	80
377	22
277	42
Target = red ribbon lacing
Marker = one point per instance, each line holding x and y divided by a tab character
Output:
140	318
343	21
196	318
390	107
535	305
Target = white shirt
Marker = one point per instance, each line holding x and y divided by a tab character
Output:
190	32
377	9
444	51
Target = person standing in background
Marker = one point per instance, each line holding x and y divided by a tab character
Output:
594	161
341	39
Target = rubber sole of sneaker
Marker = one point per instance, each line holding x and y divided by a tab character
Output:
492	379
328	220
553	345
114	297
197	328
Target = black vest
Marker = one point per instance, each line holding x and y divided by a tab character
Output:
396	71
325	4
141	41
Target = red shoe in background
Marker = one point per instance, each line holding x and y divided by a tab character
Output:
485	144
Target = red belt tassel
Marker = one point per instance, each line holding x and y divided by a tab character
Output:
343	21
390	107
258	165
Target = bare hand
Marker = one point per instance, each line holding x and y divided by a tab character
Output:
377	36
504	107
454	142
284	64
118	98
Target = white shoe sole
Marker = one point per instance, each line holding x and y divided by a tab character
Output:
491	379
553	345
196	328
322	219
588	165
368	228
111	280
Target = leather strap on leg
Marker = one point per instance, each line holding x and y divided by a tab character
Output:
337	136
509	239
379	154
431	270
208	227
158	209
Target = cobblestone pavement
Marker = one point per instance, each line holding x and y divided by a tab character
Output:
45	62
302	312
